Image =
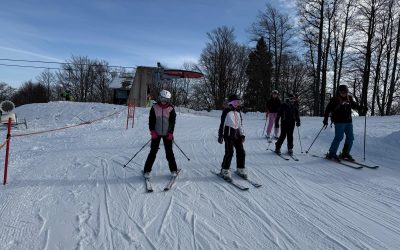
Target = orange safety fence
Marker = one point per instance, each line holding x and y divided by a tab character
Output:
66	127
7	141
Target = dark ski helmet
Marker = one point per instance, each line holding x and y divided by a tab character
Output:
233	97
343	88
290	98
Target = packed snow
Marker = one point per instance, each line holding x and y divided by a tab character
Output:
68	189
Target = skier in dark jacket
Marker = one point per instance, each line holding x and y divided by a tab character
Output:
341	107
273	105
231	131
289	116
161	124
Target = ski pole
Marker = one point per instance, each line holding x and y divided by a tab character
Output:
137	153
269	144
315	138
365	132
181	150
301	147
265	125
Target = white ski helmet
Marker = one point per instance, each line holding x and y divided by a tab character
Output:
165	95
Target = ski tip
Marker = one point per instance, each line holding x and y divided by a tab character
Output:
166	189
150	191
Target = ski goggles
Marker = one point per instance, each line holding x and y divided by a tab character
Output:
163	99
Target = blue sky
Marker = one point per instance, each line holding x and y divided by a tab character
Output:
126	33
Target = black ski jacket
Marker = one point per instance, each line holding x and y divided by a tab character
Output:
340	108
273	105
288	113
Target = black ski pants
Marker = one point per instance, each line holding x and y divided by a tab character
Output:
153	153
286	131
231	143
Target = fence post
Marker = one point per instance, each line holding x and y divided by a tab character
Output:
7	151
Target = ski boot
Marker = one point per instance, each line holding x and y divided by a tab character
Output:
346	156
242	172
332	156
277	149
146	175
174	173
290	151
226	174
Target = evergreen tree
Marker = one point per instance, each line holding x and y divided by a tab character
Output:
259	72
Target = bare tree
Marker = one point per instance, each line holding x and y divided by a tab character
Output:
6	91
88	80
223	63
394	78
49	80
277	29
312	20
368	14
30	92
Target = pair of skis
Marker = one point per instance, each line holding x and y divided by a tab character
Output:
236	184
348	163
289	156
171	182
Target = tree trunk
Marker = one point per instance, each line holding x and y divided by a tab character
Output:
346	24
368	55
319	62
393	78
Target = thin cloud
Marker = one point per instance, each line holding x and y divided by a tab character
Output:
24	52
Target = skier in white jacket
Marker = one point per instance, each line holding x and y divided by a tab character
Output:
231	131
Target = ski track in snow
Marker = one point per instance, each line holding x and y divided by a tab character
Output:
69	190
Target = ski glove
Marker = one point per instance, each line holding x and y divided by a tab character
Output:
298	124
220	140
170	136
243	138
153	134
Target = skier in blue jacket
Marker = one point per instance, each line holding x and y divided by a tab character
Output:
340	106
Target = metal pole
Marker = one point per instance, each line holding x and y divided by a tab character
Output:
315	138
365	132
298	132
7	151
181	150
269	144
137	153
265	124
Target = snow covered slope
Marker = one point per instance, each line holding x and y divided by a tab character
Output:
68	189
